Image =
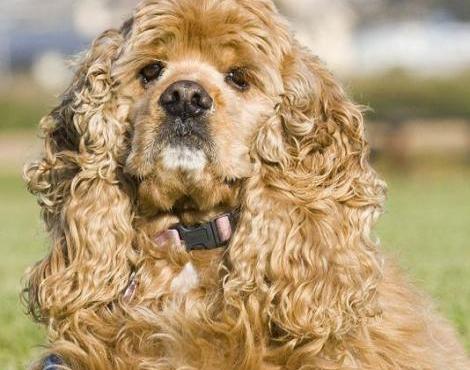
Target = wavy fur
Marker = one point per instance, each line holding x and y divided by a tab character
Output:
303	283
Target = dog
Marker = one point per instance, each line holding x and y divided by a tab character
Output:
206	187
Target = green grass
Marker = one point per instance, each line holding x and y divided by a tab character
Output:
21	243
20	114
427	225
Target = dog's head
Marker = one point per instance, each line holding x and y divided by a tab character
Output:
201	77
207	105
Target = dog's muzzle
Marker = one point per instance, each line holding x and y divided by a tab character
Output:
187	105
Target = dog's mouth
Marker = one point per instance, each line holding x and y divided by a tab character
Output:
185	131
180	144
185	144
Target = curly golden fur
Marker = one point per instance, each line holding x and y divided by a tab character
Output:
303	283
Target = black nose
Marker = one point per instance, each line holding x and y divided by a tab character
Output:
186	99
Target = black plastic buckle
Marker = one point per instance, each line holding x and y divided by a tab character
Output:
200	237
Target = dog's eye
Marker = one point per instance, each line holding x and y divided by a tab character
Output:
237	77
151	72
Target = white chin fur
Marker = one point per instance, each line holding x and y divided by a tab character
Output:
183	158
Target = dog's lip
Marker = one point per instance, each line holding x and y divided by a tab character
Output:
183	128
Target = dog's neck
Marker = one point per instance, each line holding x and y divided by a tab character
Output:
196	221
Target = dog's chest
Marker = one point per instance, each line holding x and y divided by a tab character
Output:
201	272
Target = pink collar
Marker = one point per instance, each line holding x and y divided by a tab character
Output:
211	235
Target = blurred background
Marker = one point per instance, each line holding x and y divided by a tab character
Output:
408	60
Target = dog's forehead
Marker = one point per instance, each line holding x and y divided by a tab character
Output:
226	28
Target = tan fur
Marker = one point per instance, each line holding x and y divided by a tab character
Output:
303	283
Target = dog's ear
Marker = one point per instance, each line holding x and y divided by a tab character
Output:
86	208
303	246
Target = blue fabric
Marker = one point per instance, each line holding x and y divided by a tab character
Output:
52	363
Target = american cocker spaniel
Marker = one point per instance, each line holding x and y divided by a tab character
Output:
207	192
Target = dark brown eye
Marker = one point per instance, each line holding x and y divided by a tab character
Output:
151	72
238	78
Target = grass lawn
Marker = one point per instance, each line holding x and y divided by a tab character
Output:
21	244
427	226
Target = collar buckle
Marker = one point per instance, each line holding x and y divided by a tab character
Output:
210	235
205	236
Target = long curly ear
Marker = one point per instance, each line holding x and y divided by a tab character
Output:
303	247
78	183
